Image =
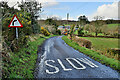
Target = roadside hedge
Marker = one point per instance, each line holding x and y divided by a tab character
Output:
82	42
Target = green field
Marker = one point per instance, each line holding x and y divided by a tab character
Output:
113	25
102	43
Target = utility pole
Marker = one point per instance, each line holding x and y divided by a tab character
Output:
67	17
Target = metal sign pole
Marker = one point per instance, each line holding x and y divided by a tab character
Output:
16	33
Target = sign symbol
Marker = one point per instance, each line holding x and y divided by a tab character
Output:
13	22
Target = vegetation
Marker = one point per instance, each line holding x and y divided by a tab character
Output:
80	31
72	31
32	7
19	55
109	30
9	33
113	25
103	44
44	31
113	63
22	64
83	20
52	26
58	32
26	18
82	42
97	24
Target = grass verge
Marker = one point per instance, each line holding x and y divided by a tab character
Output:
94	55
22	63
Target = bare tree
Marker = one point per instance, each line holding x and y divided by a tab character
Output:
98	24
83	20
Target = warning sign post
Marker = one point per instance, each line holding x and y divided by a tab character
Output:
15	22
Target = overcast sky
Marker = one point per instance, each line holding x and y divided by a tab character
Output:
75	9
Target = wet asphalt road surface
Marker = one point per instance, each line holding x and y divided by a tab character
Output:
58	60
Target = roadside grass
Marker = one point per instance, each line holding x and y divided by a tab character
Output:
22	63
102	44
76	32
113	63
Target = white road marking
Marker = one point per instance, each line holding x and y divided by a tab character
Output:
77	60
65	69
88	62
91	62
68	59
56	68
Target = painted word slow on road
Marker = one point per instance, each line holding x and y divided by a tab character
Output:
69	60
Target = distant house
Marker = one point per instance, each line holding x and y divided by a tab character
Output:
67	27
61	27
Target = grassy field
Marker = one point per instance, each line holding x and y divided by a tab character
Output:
101	44
113	63
22	63
113	25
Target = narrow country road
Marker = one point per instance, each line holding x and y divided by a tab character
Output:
58	60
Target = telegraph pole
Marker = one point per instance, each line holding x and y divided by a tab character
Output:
67	17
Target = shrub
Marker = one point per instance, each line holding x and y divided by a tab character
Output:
44	31
58	32
113	52
80	32
116	35
72	30
83	42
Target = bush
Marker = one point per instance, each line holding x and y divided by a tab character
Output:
44	31
80	32
116	35
58	32
72	30
83	42
113	51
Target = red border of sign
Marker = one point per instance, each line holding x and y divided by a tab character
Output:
12	20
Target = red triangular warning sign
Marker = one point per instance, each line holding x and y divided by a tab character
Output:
15	22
